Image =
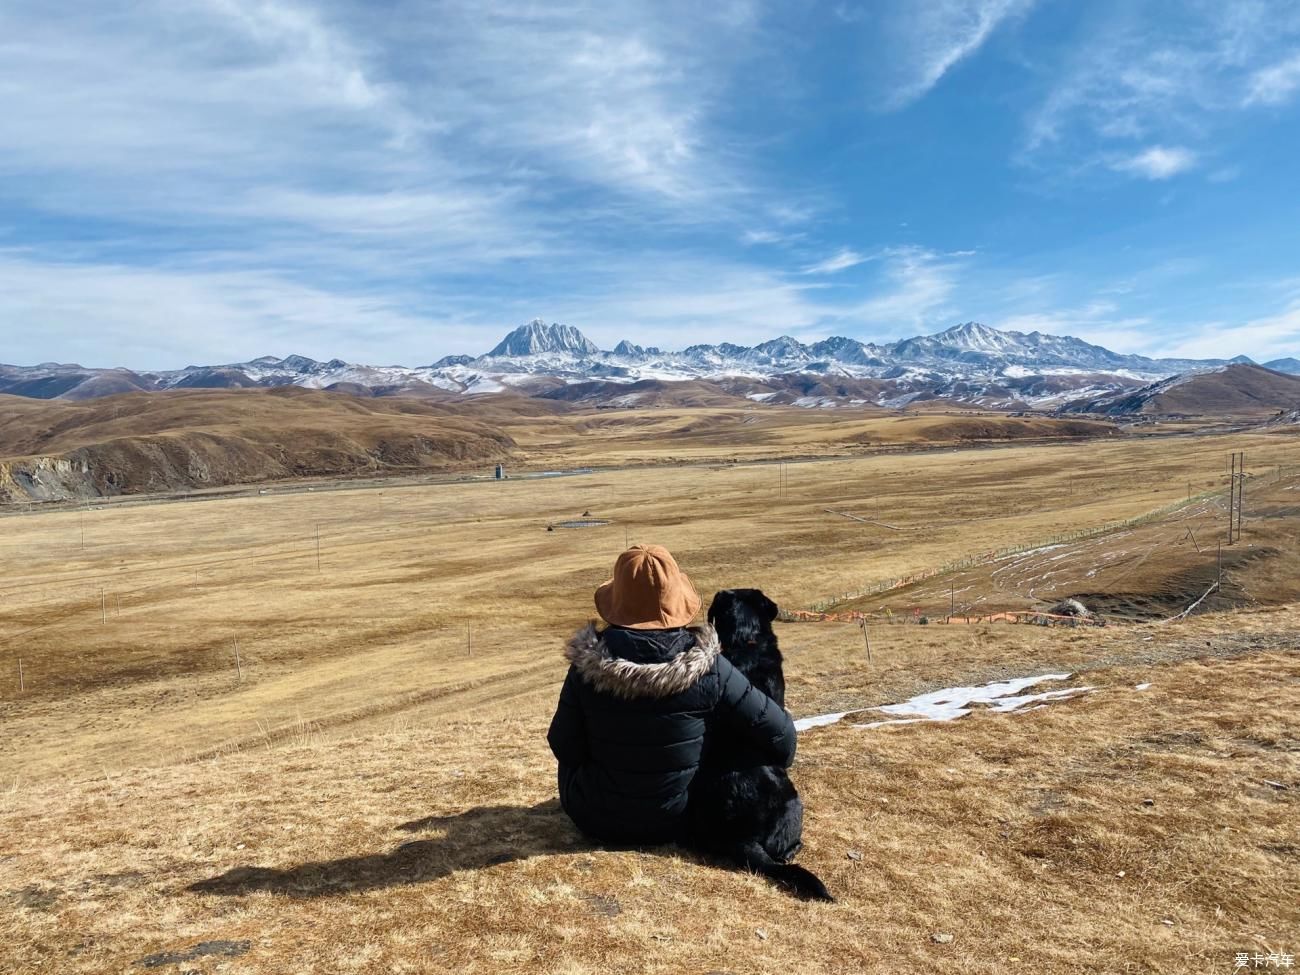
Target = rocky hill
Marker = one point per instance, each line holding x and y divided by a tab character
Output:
188	439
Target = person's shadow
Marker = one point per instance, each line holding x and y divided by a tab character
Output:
481	837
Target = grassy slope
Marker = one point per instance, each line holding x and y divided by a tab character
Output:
405	571
361	711
1027	837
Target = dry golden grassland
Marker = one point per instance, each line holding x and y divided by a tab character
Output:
400	694
652	436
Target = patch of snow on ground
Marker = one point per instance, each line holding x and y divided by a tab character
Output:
481	385
817	721
951	703
1031	551
1140	687
896	402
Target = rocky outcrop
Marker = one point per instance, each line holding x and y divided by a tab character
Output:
186	461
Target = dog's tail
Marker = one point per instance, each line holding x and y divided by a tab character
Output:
799	881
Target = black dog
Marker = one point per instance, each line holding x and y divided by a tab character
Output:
741	810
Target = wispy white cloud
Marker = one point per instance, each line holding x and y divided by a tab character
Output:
929	39
1135	314
174	111
152	318
1099	322
1136	79
691	301
1157	162
1268	337
841	261
1275	84
233	157
914	293
191	179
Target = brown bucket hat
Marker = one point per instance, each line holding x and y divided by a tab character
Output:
648	592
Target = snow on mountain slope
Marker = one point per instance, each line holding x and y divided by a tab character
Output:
538	337
970	363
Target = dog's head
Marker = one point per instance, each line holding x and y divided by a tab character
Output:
742	617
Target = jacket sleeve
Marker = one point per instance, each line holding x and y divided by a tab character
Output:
767	727
568	736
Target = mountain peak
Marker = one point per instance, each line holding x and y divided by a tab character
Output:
298	363
1288	364
537	337
976	337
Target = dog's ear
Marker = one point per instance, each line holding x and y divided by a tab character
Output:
767	608
722	600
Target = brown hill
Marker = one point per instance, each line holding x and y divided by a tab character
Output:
1233	390
202	438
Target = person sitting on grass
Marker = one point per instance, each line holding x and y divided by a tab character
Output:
629	729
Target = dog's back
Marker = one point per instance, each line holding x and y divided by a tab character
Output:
751	814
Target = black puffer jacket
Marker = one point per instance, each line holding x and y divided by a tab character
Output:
630	726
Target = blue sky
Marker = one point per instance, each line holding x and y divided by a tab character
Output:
391	181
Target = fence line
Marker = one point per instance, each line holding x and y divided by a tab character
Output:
970	561
1010	616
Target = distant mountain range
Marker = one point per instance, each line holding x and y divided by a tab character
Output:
968	363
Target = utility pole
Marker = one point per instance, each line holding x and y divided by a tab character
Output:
1232	493
1236	490
239	666
318	547
1240	493
22	684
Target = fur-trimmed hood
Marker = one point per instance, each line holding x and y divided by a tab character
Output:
628	679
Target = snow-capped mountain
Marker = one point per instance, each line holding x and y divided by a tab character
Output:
970	363
538	338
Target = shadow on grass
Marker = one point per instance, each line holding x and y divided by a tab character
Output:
477	838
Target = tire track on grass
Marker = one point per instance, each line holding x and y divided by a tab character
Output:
289	731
